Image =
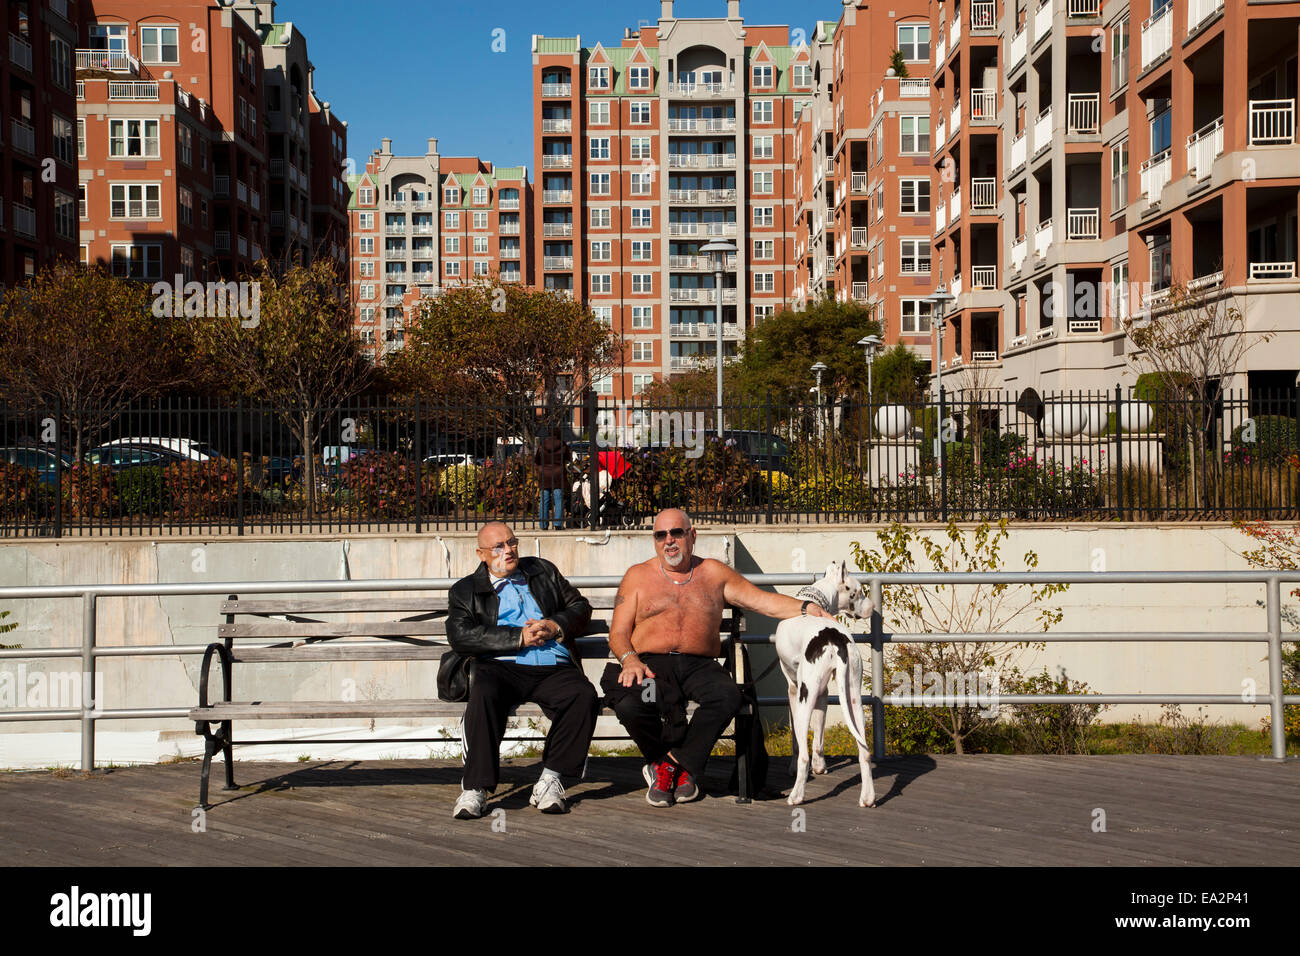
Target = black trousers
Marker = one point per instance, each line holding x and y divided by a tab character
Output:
654	715
566	697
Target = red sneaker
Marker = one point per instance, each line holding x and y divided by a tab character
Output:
661	790
685	787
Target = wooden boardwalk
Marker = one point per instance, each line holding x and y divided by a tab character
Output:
981	810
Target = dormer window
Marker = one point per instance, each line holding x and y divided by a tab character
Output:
763	76
598	77
638	78
801	75
450	196
480	195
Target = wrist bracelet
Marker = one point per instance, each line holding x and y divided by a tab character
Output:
804	608
625	657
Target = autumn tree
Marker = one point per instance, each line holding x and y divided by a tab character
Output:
80	341
298	354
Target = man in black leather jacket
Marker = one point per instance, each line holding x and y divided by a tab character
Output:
519	618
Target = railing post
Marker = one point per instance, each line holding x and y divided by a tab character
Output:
419	470
239	460
877	671
1119	451
58	469
88	702
593	469
1276	707
943	471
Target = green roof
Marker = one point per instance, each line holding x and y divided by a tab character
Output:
618	58
512	172
274	34
557	44
781	57
352	180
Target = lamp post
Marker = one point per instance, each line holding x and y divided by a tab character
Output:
819	368
939	301
718	252
870	344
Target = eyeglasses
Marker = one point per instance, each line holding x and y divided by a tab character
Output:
675	532
512	544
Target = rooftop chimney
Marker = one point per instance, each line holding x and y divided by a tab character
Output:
733	9
386	145
665	9
433	146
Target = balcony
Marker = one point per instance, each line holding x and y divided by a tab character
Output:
1157	37
422	229
1267	270
941	46
557	262
1043	21
913	88
983	106
1083	8
557	89
242	244
954	118
396	275
24	221
255	200
1198	11
860	293
956	286
701	90
1084	115
1043	131
104	60
1203	147
1019	152
508	205
277	218
983	195
1019	249
423	253
395	229
983	15
1155	175
554	229
699	263
701	295
557	196
858	237
557	126
954	32
1043	238
23	136
1082	326
1083	223
701	197
20	52
221	241
701	160
940	135
241	191
1018	48
512	229
510	252
715	124
563	161
1272	122
858	183
954	205
940	216
132	90
719	229
703	330
983	277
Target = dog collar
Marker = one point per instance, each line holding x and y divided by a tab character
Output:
812	594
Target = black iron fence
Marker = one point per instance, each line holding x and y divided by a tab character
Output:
197	466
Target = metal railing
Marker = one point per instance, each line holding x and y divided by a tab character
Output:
1084	113
1156	173
983	105
1198	11
1272	122
1203	147
1083	223
1157	36
983	193
983	15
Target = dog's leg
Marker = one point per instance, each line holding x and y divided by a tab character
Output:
819	732
794	737
851	703
802	715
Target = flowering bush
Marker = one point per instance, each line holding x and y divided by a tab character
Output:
90	491
383	485
18	491
510	487
202	489
459	485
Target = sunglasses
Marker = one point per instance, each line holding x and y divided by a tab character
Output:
512	544
675	532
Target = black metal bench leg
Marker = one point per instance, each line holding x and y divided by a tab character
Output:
743	730
209	748
227	748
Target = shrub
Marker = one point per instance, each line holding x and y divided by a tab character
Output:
90	491
383	485
510	487
459	485
19	491
1176	733
1052	728
1275	440
142	490
202	489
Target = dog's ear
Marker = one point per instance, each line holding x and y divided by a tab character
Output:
844	573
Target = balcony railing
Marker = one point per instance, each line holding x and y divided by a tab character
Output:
557	89
24	136
25	221
954	205
954	118
564	161
511	252
859	183
241	191
1043	130
557	195
1083	223
954	32
1043	20
941	45
111	62
1201	283
277	218
983	194
701	196
1043	238
508	205
557	262
700	295
132	90
703	330
701	89
984	277
983	105
221	241
1083	8
509	229
1082	326
423	253
20	52
699	263
1272	122
1155	175
940	135
553	229
956	287
1272	270
1084	113
858	237
1019	249
910	87
1203	147
983	15
422	229
940	216
255	200
713	124
1157	37
557	125
1018	48
701	160
1198	11
1019	151
719	228
395	229
860	293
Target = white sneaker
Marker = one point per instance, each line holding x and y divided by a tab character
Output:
548	795
470	805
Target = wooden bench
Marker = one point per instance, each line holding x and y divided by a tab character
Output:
298	636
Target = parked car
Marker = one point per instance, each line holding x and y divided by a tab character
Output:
764	449
44	460
134	452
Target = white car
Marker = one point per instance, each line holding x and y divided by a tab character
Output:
122	452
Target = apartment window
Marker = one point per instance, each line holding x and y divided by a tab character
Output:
187	263
1162	130
65	215
763	215
110	37
133	137
186	140
915	255
601	284
1119	41
453	269
480	195
642	283
638	78
642	250
641	183
915	198
598	77
764	249
598	147
367	314
762	181
81	138
83	209
366	269
642	217
480	220
1119	177
762	76
762	147
366	245
135	201
641	382
762	312
1119	290
801	75
366	196
451	220
880	201
451	244
365	220
639	147
63	139
600	219
60	63
600	184
604	385
914	317
160	44
203	214
764	281
480	245
914	42
481	267
640	113
762	111
186	199
643	351
137	261
915	132
598	113
643	316
367	291
601	250
450	196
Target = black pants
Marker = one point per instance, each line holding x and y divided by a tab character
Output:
566	697
655	714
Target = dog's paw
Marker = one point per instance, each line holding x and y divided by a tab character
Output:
796	797
819	764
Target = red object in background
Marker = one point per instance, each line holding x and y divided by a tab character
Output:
612	462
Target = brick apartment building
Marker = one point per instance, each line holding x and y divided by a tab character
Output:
680	134
38	161
191	141
420	224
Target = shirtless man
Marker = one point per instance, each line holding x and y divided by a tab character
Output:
664	633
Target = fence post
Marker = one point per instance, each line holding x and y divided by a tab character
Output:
419	470
88	702
771	467
1276	689
58	470
593	468
877	671
1119	450
942	459
239	459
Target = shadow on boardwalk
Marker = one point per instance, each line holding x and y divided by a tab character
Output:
987	809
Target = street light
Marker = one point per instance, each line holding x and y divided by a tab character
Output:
718	252
870	344
819	368
939	301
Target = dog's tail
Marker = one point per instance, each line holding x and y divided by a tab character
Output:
850	690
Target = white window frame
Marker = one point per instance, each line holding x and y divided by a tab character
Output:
912	315
639	77
604	313
366	268
643	350
641	217
63	141
451	245
61	71
762	146
903	205
764	283
913	43
801	76
451	195
764	182
451	220
143	202
764	250
146	273
365	220
452	269
598	77
600	217
598	147
642	381
643	316
641	184
601	283
598	113
639	147
643	283
602	250
480	220
159	44
761	112
639	113
480	196
480	245
599	184
643	250
764	215
915	136
762	76
911	259
366	245
119	130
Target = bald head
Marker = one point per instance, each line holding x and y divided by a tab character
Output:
498	535
494	532
674	539
672	518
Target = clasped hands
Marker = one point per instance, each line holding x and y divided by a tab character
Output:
536	633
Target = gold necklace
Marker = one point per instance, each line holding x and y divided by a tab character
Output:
678	583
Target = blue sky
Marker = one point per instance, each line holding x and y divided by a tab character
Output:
411	69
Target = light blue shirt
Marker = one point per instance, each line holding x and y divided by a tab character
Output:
517	607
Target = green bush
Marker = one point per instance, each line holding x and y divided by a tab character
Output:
459	485
1276	440
383	485
142	490
510	487
19	490
1052	728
